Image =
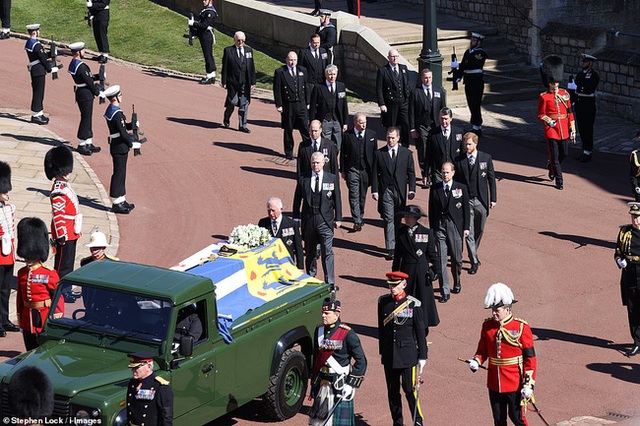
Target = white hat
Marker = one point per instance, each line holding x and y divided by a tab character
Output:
498	295
79	45
477	35
98	239
112	91
33	27
586	57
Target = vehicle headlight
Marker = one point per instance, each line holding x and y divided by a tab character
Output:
121	418
87	413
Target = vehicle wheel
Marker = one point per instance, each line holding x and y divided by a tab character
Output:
288	386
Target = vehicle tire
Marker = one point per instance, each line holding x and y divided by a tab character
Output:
288	386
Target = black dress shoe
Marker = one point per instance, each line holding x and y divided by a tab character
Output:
4	36
444	298
585	158
559	186
244	130
103	59
456	289
128	205
225	124
40	119
84	150
390	255
93	148
11	327
315	12
208	80
288	155
633	352
357	227
2	332
473	269
120	208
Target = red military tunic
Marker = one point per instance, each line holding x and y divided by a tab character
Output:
36	285
7	234
509	348
65	208
556	107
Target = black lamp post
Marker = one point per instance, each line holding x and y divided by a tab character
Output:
430	55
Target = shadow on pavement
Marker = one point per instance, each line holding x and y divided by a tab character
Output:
364	330
9	354
84	201
374	282
580	240
626	372
158	73
265	171
243	147
548	334
369	249
24	138
195	122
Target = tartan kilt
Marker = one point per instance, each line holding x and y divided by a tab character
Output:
343	416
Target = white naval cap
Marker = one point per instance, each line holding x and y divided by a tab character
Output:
79	45
112	91
477	35
33	27
586	57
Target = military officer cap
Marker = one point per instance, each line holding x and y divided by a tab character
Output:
634	208
5	178
412	210
33	27
58	161
112	91
76	46
331	305
98	239
137	359
499	295
477	35
326	12
586	58
396	277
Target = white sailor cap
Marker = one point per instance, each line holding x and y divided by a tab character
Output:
477	35
79	45
112	91
586	57
325	12
33	27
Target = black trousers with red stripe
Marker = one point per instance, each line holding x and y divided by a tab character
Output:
65	256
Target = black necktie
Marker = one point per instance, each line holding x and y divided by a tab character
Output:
315	146
317	189
472	161
428	95
395	72
316	54
393	155
274	227
446	190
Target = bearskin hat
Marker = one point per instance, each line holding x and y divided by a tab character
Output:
31	393
58	162
551	70
33	239
499	295
5	177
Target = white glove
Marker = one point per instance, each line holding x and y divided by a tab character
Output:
572	85
526	392
89	4
637	189
138	124
101	94
454	64
421	365
348	392
473	365
190	22
622	263
552	123
136	145
55	69
572	136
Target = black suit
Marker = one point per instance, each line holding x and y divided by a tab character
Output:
305	150
393	92
320	210
390	182
424	114
481	182
238	75
315	66
449	217
356	163
289	234
331	109
402	342
416	256
441	150
292	94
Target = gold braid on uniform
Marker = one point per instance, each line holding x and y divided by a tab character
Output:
513	340
625	241
634	160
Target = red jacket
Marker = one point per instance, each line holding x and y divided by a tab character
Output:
556	107
7	228
512	359
36	285
65	208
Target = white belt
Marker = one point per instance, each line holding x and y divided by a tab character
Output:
68	217
478	71
587	95
114	135
81	85
32	63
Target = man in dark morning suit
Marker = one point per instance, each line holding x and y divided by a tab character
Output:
285	228
475	170
416	256
425	104
392	88
292	96
318	193
238	77
316	143
393	171
445	144
329	105
449	218
356	163
315	59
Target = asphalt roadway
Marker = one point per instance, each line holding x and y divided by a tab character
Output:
196	180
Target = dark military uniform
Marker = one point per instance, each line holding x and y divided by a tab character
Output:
585	105
634	173
340	342
99	11
85	90
120	141
204	30
328	38
402	342
471	65
149	402
39	66
628	248
292	94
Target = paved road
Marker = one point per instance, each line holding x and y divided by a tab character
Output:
196	180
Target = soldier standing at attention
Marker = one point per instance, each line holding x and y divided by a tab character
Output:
204	30
149	397
507	343
85	90
471	66
5	19
99	11
634	161
7	248
585	104
627	256
39	66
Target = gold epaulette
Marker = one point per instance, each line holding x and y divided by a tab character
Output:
115	259
345	326
415	301
162	381
564	95
544	92
488	319
521	320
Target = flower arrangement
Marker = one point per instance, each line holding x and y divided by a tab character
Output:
249	236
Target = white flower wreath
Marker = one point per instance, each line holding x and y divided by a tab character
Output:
249	236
